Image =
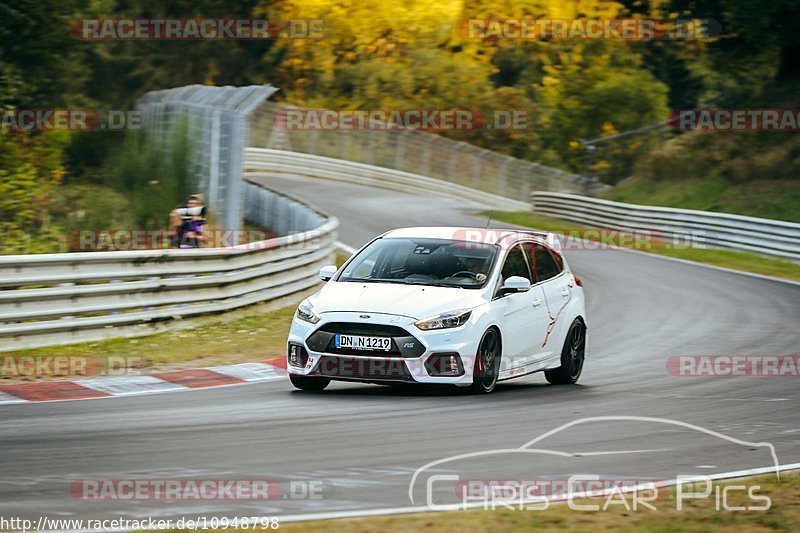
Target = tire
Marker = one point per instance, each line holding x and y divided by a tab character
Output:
309	383
572	356
487	363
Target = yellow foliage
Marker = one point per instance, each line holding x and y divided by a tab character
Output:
608	129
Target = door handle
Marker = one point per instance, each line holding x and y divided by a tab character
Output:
537	302
565	293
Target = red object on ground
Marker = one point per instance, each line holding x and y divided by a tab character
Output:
51	390
277	362
197	378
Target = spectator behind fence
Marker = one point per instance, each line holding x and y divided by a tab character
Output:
188	223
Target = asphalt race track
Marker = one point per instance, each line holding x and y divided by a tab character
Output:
359	445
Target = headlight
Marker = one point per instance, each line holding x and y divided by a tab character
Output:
453	319
306	312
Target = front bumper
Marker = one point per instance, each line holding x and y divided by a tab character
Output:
415	355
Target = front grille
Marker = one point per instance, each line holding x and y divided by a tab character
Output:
403	343
362	368
358	328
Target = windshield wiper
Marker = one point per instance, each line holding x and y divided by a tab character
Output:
402	281
431	283
372	280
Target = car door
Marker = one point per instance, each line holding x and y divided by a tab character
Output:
524	317
548	271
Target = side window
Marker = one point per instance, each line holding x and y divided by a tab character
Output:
544	265
558	259
515	264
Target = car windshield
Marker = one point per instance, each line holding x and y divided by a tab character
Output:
435	262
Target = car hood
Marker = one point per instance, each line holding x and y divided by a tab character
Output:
414	301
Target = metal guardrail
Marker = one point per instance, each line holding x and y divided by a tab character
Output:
265	162
696	228
77	297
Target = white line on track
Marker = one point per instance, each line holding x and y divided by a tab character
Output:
364	513
9	399
480	505
129	385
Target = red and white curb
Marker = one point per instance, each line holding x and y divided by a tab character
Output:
130	385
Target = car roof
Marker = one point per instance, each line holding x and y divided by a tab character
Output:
459	233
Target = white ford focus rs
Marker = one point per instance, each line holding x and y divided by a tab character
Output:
461	306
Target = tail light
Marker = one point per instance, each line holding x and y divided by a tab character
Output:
578	281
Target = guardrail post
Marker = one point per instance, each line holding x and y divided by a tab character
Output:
213	170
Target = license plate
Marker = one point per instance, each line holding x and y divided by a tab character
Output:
358	342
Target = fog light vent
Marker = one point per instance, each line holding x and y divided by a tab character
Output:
444	364
298	357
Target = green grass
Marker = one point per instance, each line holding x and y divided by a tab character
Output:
736	260
341	258
698	515
745	173
775	199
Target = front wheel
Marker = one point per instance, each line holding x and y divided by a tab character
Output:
487	363
572	357
309	383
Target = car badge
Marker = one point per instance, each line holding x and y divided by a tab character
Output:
363	316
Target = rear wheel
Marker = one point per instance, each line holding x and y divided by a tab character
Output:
487	363
572	357
309	383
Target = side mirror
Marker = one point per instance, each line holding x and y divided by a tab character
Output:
515	284
327	272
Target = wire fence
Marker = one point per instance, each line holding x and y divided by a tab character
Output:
419	152
224	121
613	158
217	121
